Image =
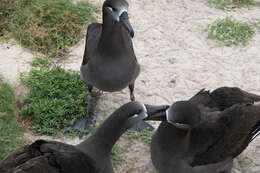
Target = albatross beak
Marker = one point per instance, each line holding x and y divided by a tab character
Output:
125	21
156	113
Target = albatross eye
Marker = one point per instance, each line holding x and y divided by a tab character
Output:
111	8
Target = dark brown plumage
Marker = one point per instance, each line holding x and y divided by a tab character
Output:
204	134
223	98
233	131
90	156
109	61
47	157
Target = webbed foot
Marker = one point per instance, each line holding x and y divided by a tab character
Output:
84	126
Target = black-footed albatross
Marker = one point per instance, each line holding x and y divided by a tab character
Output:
90	156
205	133
109	62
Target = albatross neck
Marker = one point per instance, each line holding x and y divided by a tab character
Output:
112	39
172	137
106	135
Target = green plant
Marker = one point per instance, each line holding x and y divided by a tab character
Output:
229	31
228	4
256	25
41	62
47	26
57	98
116	156
10	132
145	136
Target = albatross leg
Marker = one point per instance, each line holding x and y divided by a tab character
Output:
86	125
131	88
142	125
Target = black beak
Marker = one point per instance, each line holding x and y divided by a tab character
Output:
156	113
125	21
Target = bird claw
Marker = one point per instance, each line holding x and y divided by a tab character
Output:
84	126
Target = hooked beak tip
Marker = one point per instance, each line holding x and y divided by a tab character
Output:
132	34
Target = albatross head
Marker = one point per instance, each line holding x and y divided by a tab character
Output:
117	10
182	114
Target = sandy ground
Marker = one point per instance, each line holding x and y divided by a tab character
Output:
177	60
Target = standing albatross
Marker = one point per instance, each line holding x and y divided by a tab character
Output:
205	133
90	156
109	62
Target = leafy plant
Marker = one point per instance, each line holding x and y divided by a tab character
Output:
47	26
229	31
116	156
41	62
145	136
256	25
10	132
228	4
57	98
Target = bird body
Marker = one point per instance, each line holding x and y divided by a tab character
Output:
205	133
109	62
173	152
90	156
47	156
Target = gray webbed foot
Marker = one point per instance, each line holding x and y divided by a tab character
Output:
131	88
87	124
84	126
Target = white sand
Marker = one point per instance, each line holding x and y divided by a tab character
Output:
177	60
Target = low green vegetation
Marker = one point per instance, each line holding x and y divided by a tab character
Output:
229	31
256	25
228	4
41	62
47	26
116	156
145	136
10	132
129	137
57	98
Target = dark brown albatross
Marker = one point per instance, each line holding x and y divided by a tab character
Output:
90	156
109	62
205	133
